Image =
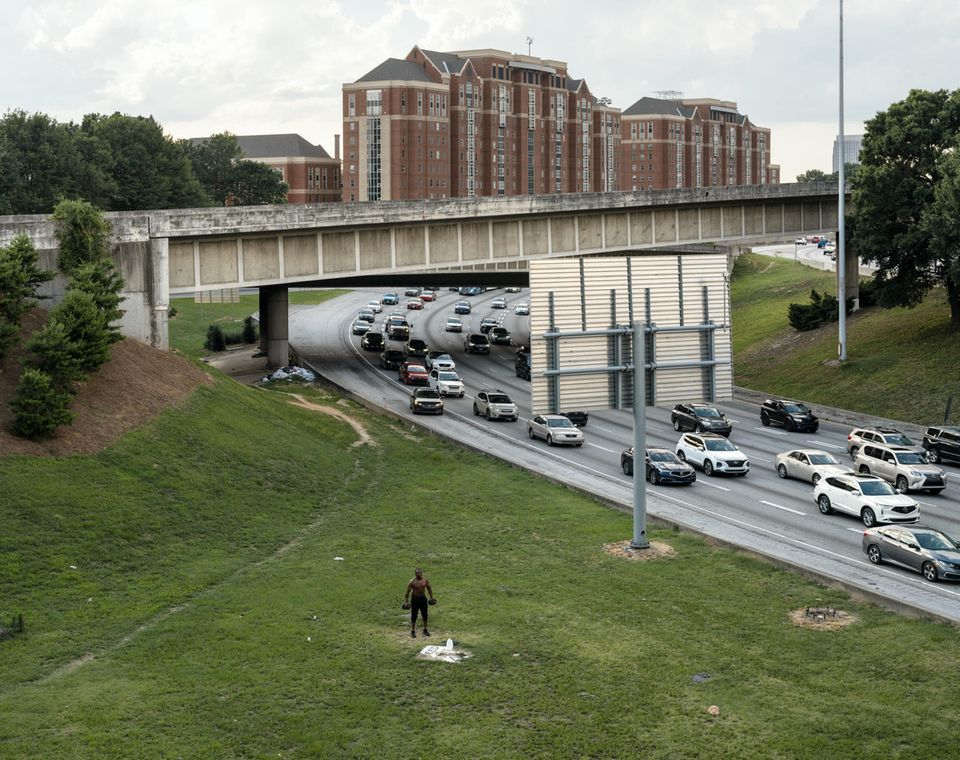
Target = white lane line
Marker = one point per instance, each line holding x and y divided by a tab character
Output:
602	448
858	531
758	459
772	432
712	485
785	509
825	445
605	430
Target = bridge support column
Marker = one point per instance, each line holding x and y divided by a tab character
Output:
277	327
263	319
159	293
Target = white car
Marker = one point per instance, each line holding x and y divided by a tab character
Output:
522	309
555	428
444	361
868	497
800	241
446	382
498	303
712	452
454	324
809	464
375	306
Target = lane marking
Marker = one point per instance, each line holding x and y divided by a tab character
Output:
712	485
758	459
772	432
602	448
605	430
825	445
785	509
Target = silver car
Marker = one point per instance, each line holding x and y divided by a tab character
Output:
555	428
906	469
809	465
928	551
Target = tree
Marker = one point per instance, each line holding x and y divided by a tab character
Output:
815	175
56	355
39	407
86	326
902	165
20	276
101	281
256	184
82	233
942	223
213	161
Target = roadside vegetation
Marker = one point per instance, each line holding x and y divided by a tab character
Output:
902	363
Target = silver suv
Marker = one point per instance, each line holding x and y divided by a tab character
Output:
882	435
495	405
905	469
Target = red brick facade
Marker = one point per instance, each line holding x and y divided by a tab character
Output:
310	173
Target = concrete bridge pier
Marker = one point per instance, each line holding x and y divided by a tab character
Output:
276	327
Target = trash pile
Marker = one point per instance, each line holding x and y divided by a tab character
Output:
290	374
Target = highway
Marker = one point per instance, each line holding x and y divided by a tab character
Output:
774	518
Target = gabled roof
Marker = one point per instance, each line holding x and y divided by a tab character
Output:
650	106
573	84
446	63
396	69
274	146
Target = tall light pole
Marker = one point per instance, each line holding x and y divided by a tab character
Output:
841	231
603	103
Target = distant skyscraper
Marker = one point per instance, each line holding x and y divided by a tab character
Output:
852	145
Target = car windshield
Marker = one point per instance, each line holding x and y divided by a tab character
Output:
911	457
823	459
876	488
448	376
721	444
443	358
415	368
499	398
796	409
707	411
663	456
559	422
428	394
935	541
898	439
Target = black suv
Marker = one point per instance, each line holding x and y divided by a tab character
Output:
476	344
522	364
372	341
392	359
416	347
942	444
791	414
700	418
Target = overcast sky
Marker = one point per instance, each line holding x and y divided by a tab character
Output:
255	66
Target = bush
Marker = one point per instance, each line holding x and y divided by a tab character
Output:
53	353
87	327
821	310
868	294
216	341
172	312
39	406
101	281
82	232
9	334
249	330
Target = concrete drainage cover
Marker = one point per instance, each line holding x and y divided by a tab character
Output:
449	652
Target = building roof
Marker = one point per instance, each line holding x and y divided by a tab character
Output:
396	69
650	106
273	146
573	84
446	63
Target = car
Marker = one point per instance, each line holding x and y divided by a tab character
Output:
487	324
360	327
392	359
428	295
461	307
808	464
398	329
928	551
454	324
815	239
372	341
446	382
830	249
942	444
791	414
476	343
471	291
499	336
414	304
868	497
375	306
522	309
521	365
662	466
442	361
579	419
511	289
389	299
416	347
431	355
882	435
498	303
426	401
700	418
367	315
714	453
411	373
495	405
800	241
905	469
554	429
412	292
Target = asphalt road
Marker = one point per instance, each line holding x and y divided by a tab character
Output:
774	518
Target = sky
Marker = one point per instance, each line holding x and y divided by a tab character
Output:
254	67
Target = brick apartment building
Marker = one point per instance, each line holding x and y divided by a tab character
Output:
310	173
487	122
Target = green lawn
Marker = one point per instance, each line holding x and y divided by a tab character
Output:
902	363
221	624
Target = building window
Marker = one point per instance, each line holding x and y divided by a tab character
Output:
352	104
374	102
419	104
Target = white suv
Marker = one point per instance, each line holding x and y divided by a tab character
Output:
714	453
857	437
866	496
906	469
495	405
446	382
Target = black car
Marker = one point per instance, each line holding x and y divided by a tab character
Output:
499	336
487	324
791	414
942	444
372	341
476	344
663	466
426	401
579	419
700	418
392	359
521	365
416	347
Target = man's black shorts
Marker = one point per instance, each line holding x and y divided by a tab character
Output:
418	603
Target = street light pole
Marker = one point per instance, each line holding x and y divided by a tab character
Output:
841	231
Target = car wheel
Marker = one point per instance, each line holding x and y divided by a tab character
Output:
823	502
487	414
864	470
441	411
816	478
655	477
627	466
707	467
530	433
476	412
549	440
782	470
676	423
902	485
790	425
929	571
868	517
681	456
873	554
934	455
764	420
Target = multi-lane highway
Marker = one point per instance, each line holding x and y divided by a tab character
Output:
762	513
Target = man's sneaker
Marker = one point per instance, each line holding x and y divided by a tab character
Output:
426	632
413	634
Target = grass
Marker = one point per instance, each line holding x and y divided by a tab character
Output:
188	327
902	363
221	625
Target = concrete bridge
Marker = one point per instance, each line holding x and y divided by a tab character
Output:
488	240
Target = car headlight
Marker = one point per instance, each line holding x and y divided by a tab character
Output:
916	474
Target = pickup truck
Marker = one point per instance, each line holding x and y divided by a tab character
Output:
791	414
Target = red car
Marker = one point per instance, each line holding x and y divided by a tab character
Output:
415	303
428	295
413	374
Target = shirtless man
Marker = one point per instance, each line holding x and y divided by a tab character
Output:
416	599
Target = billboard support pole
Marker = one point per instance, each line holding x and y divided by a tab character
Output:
639	437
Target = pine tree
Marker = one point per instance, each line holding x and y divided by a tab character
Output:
86	326
54	353
39	407
101	281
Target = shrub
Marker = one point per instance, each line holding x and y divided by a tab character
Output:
821	310
172	312
249	330
82	232
9	334
101	281
86	326
53	353
39	407
216	341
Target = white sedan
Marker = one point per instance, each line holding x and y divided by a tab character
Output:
522	309
555	428
809	464
866	496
